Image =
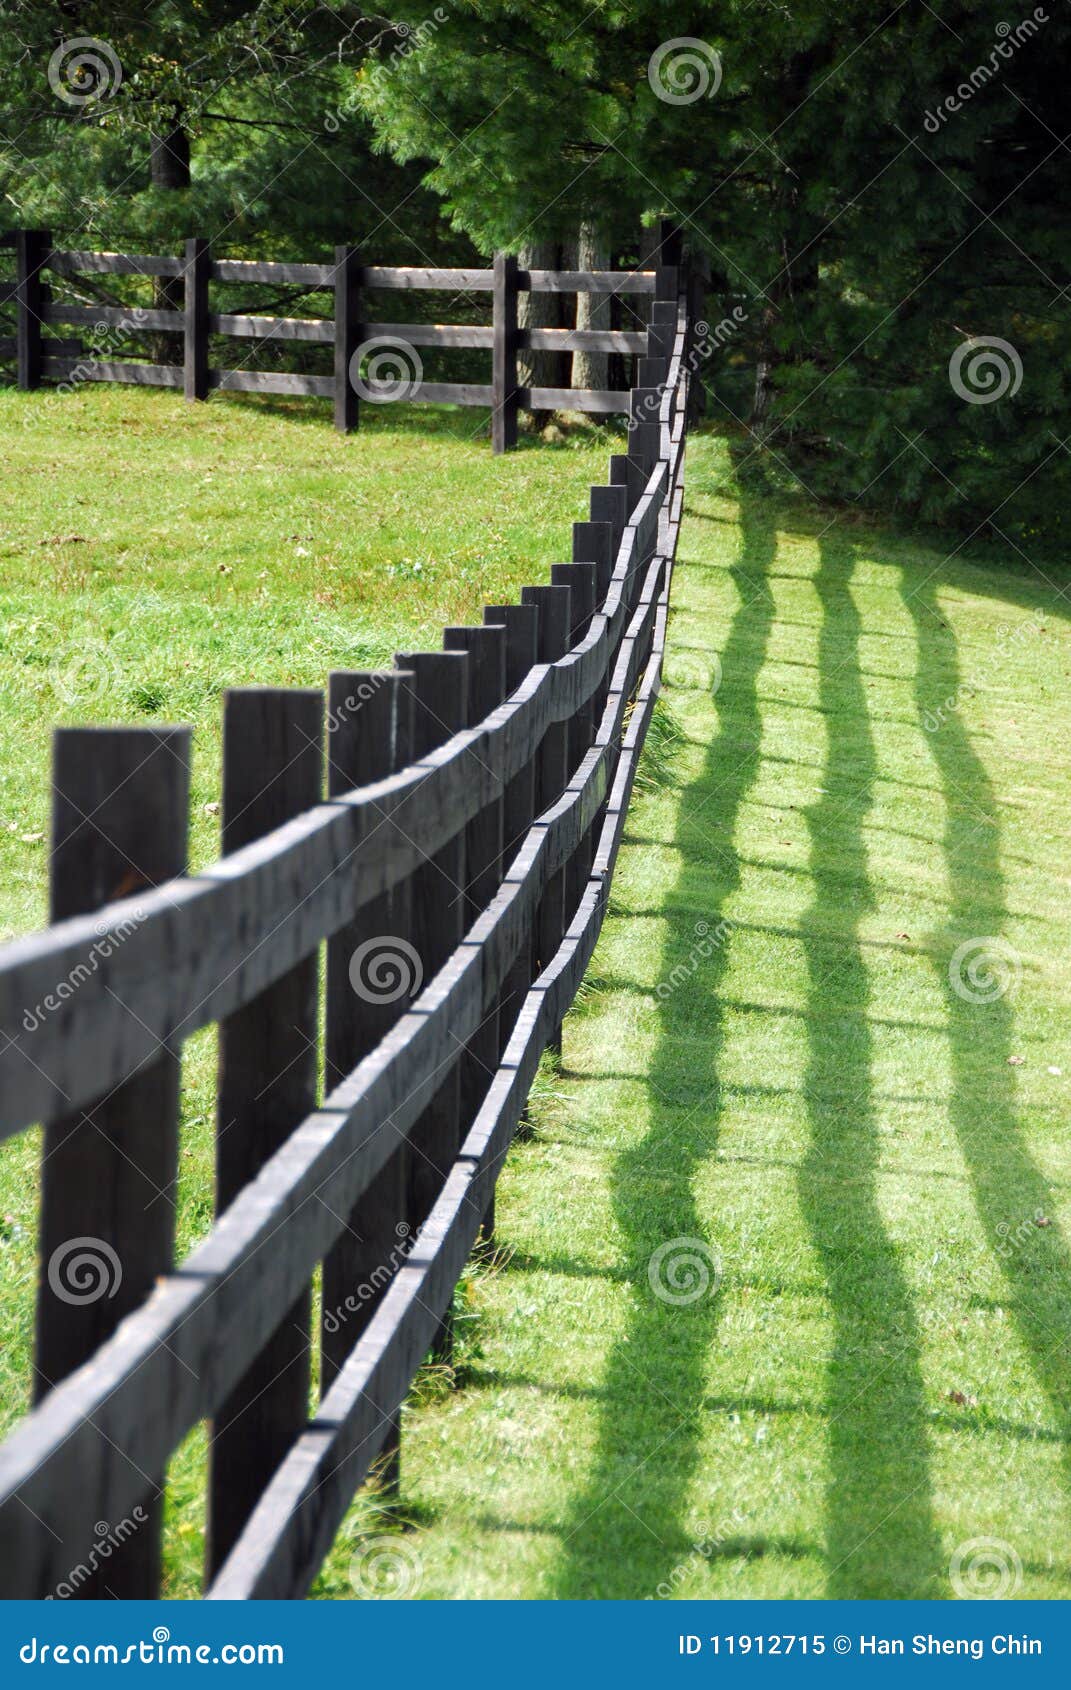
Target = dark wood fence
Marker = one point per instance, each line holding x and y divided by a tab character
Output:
458	871
355	341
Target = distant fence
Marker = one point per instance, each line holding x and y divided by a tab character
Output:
458	870
358	345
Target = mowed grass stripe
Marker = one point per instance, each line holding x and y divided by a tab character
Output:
769	1057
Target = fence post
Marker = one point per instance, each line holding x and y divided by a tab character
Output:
439	690
486	648
610	505
504	398
552	771
31	249
268	1073
347	336
195	324
120	810
369	728
581	579
521	622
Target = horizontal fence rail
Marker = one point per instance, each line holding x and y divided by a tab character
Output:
360	345
501	766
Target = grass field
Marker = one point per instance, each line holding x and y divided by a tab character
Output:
783	1293
869	1167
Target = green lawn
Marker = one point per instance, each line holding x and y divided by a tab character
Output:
857	768
154	553
770	1060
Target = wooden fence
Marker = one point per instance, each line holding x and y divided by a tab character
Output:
356	344
458	871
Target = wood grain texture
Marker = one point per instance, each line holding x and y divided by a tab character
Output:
268	1076
195	320
120	810
73	263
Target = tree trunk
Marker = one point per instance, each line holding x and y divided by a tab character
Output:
591	369
539	311
169	167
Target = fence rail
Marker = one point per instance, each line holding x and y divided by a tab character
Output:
41	358
475	803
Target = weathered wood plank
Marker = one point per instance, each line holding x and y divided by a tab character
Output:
440	693
271	381
254	270
588	281
320	330
71	263
195	320
505	397
31	248
369	985
598	401
521	622
268	1076
434	334
485	648
132	318
390	276
91	368
584	340
119	817
347	337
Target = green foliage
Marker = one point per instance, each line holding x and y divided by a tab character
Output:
865	226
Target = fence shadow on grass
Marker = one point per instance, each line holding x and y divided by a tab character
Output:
880	1536
1009	1189
627	1531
